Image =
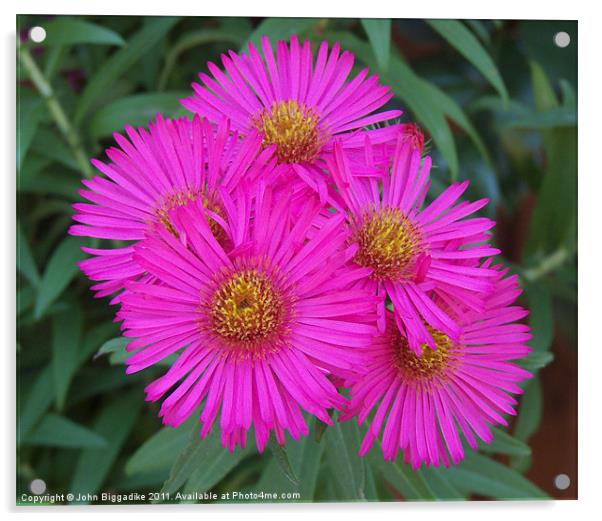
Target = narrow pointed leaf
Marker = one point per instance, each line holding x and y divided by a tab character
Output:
29	111
36	404
135	110
441	485
114	423
554	221
205	456
71	31
379	34
281	457
541	316
66	342
26	264
529	417
343	443
60	270
160	450
537	360
304	456
459	37
120	62
203	479
503	443
489	478
57	431
411	484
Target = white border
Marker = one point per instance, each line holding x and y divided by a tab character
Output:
590	254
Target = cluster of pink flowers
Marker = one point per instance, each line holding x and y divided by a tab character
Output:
281	245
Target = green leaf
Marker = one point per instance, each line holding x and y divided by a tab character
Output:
63	184
459	37
26	264
158	452
513	110
541	316
319	431
480	29
115	348
192	40
113	423
60	270
273	479
410	88
48	144
481	475
411	484
67	330
136	110
554	220
543	92
120	62
306	456
528	420
36	404
569	98
379	34
280	29
281	457
343	443
25	299
503	443
552	118
205	478
553	224
206	459
28	117
90	382
371	490
536	360
52	64
70	31
452	110
135	483
51	208
57	431
98	334
441	486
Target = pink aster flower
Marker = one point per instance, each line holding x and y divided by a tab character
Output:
411	248
298	104
425	402
258	329
168	165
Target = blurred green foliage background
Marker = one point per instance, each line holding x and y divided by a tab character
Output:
497	101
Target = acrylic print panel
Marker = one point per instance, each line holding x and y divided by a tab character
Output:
295	260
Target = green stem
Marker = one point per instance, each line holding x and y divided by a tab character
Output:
188	42
547	265
57	111
52	63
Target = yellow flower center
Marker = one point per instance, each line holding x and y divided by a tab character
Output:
182	198
389	242
246	307
432	362
293	128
